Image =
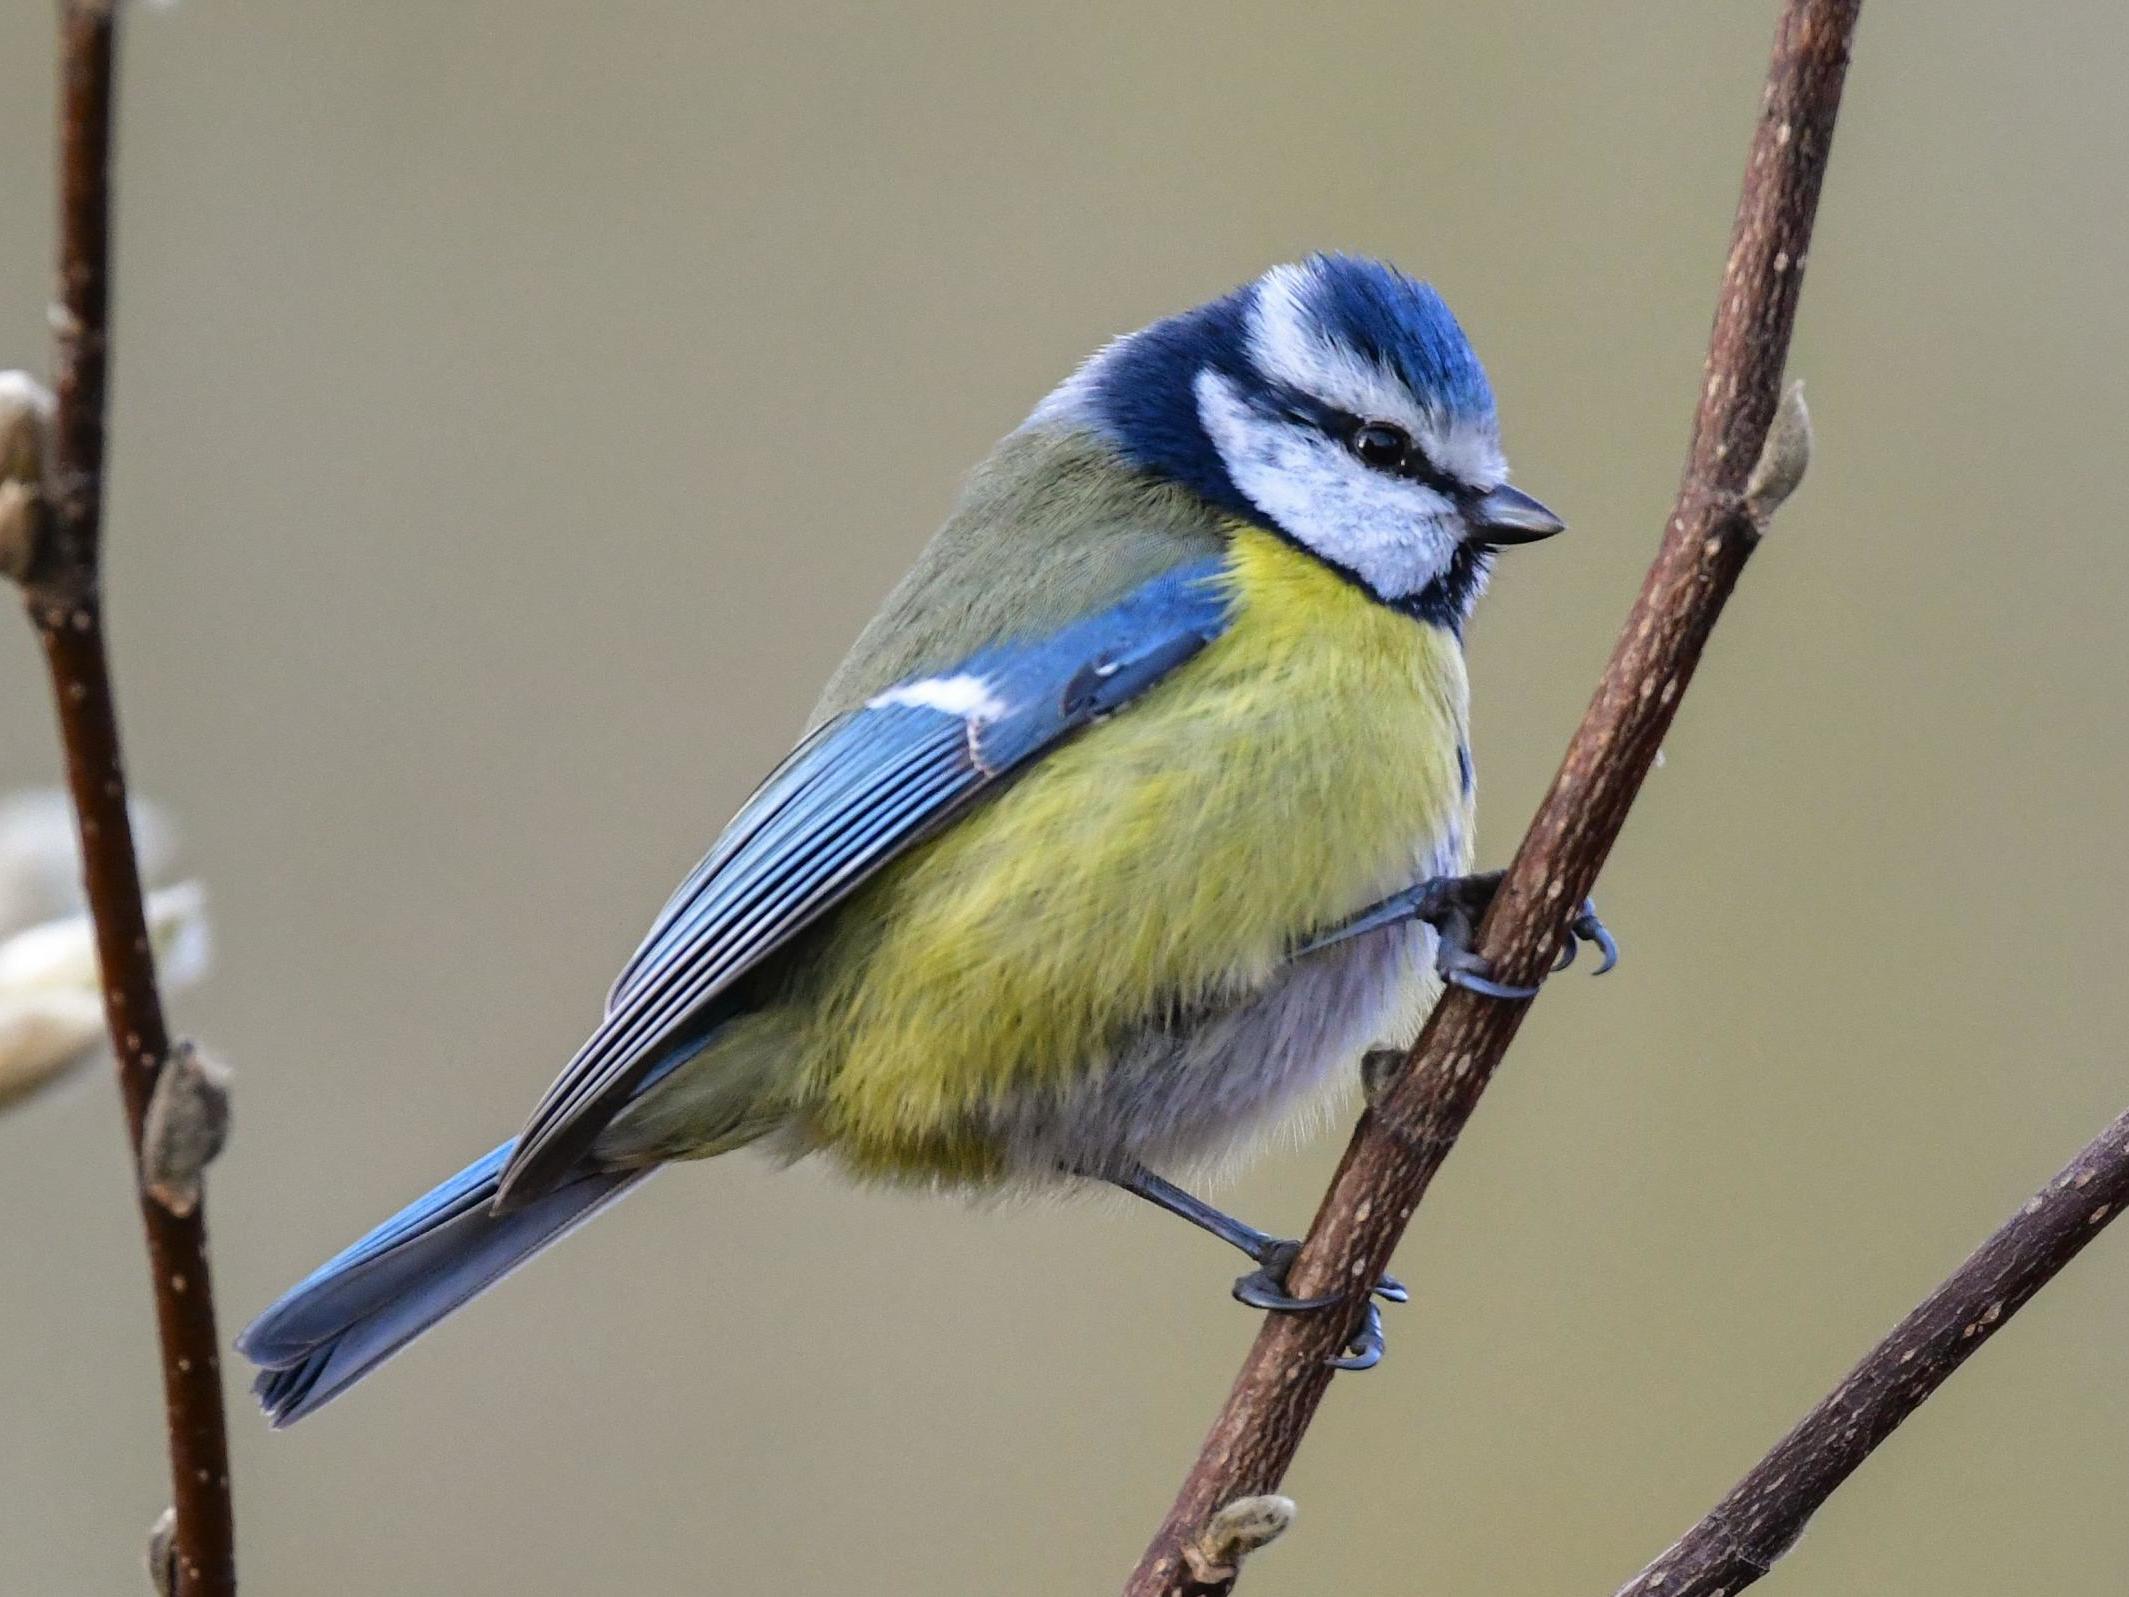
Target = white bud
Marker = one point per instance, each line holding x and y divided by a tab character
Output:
25	442
25	427
40	855
162	1554
51	993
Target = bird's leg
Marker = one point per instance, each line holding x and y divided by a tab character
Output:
1265	1286
1452	905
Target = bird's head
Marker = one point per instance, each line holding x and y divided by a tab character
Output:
1336	402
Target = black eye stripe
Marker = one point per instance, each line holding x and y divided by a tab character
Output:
1382	446
1351	431
1292	405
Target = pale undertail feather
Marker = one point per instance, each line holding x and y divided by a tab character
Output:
433	1257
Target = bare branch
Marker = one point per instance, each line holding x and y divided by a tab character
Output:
1416	1117
1760	1520
55	552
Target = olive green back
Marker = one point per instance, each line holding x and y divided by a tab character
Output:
1049	527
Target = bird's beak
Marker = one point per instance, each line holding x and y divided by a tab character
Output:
1507	516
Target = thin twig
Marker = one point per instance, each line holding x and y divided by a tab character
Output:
1713	528
65	605
1760	1520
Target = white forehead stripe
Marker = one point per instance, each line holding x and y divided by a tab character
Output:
1468	452
1287	345
966	696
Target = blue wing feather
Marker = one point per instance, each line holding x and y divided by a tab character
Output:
366	1303
776	793
859	791
855	794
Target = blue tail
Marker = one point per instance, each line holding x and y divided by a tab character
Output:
443	1250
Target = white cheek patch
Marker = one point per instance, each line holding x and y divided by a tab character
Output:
1395	535
966	696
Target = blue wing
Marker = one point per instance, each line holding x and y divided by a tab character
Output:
857	793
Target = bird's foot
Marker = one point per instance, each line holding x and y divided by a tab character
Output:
1453	905
1265	1288
1587	928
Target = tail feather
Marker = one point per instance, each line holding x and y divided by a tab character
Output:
439	1253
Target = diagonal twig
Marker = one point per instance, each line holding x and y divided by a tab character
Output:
59	569
1714	526
1763	1515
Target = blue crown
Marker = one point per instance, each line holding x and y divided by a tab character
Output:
1140	393
1400	324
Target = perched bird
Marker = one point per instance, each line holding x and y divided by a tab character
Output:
1138	815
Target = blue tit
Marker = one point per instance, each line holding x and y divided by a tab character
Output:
1140	813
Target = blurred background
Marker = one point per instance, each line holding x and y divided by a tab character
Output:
520	406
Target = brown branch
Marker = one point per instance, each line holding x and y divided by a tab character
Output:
1760	1520
60	576
1714	526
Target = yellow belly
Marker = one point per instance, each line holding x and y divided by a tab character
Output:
1302	767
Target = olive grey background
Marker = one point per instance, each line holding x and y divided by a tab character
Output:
518	408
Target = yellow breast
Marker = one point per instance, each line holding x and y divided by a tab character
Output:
1300	768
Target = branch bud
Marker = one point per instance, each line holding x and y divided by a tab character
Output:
1235	1532
1783	458
25	440
162	1554
187	1124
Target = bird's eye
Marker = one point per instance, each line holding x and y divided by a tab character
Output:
1381	445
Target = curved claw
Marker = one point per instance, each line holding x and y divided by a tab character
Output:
1454	958
1365	1349
1471	981
1588	928
1464	968
1264	1288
